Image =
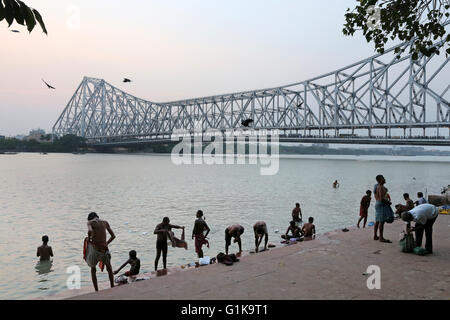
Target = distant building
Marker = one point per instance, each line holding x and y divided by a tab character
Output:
37	134
19	137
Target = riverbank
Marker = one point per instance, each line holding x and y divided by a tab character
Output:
331	267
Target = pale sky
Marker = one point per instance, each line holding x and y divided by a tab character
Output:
171	49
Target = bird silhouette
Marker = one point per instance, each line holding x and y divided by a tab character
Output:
300	105
15	31
126	80
49	86
247	122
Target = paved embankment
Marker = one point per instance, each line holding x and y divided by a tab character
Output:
331	267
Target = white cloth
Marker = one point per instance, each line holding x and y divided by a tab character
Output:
424	212
422	201
204	261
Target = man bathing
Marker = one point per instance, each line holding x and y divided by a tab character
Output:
234	231
45	251
295	230
162	231
260	231
364	208
335	184
134	262
297	214
97	247
200	226
400	208
309	229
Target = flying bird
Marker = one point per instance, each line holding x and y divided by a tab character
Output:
247	122
49	86
126	80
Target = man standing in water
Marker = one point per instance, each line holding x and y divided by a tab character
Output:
97	247
260	231
162	232
234	231
297	214
200	226
45	251
382	208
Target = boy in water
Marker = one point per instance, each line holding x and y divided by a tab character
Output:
134	262
364	207
309	229
45	251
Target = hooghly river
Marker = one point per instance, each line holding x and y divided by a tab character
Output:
53	194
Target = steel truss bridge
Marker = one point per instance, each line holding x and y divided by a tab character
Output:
380	100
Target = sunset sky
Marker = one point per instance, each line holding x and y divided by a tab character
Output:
170	49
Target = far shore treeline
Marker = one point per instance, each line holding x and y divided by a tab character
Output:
67	143
72	143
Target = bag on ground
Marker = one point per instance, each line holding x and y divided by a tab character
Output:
407	244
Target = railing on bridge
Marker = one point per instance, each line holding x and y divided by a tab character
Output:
379	96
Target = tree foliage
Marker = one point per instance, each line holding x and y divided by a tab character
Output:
67	143
11	10
420	22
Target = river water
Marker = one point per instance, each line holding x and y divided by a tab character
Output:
53	194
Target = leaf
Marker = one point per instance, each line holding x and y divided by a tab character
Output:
39	19
29	18
18	13
2	11
9	11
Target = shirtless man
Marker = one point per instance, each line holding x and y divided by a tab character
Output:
200	226
260	230
234	231
297	213
309	229
162	232
134	262
97	250
45	251
408	206
295	230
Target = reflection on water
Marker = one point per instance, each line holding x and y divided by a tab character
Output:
54	194
44	267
